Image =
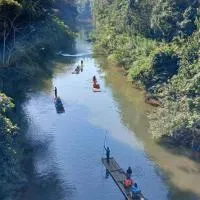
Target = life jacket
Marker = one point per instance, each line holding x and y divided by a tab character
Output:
128	182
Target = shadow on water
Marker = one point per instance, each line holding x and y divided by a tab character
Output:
30	183
41	177
47	183
182	194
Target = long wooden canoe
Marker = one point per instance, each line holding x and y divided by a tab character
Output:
119	175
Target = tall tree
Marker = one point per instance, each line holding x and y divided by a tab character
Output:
171	18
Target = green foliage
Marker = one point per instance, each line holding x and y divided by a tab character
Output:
23	34
139	16
5	103
31	31
171	18
157	42
6	126
180	116
7	150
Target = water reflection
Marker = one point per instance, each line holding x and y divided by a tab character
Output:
43	178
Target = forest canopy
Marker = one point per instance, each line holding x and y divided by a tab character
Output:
157	43
31	32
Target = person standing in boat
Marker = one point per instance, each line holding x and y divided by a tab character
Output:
81	65
55	90
94	79
107	153
129	172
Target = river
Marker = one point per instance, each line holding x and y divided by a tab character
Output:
69	146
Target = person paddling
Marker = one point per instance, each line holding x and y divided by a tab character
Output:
136	192
55	90
107	153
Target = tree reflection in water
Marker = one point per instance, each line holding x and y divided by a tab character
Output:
40	176
45	184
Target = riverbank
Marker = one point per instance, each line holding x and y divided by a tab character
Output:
164	64
31	36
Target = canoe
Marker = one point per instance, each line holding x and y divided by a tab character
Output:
59	105
119	175
75	72
96	89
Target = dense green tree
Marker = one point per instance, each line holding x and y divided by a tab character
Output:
171	18
157	42
24	49
139	16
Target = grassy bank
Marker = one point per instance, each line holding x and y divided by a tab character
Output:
157	43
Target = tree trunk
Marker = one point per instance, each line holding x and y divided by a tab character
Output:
4	42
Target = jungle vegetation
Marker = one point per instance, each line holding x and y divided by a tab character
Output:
31	32
157	43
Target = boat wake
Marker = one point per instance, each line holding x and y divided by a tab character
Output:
75	55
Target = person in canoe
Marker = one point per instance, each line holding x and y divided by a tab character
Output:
55	90
129	172
77	70
94	79
128	182
136	192
58	101
96	86
81	65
